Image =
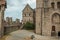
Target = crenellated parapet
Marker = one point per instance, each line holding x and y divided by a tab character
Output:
11	22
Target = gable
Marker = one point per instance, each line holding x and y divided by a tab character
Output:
27	9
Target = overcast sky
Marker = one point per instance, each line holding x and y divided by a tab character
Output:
15	7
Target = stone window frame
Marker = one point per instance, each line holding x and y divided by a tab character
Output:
29	14
58	5
53	5
45	3
24	15
46	9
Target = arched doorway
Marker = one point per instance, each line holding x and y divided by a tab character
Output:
55	23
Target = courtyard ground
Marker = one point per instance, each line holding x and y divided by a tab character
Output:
3	38
26	35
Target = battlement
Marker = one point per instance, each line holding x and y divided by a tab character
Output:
10	22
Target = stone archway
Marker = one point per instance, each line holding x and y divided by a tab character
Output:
56	18
56	23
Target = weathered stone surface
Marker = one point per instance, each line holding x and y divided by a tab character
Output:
47	17
2	8
28	14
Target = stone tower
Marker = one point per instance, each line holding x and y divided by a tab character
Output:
39	10
48	15
9	20
2	8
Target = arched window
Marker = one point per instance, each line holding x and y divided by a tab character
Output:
52	4
56	18
58	5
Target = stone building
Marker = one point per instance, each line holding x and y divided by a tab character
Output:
9	20
2	9
28	14
46	18
48	15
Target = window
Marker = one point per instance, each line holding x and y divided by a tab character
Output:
58	5
52	4
45	3
27	14
24	14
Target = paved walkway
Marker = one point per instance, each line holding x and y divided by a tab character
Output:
25	35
